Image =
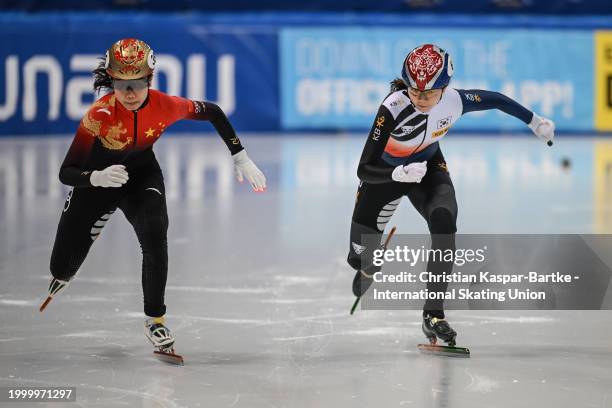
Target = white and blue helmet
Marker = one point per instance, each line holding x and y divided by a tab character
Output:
427	67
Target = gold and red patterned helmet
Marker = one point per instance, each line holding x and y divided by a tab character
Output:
130	59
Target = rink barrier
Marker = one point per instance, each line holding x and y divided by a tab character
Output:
277	72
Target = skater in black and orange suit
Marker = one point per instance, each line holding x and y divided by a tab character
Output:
111	165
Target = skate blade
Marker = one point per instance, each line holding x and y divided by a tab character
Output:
447	351
355	305
169	357
45	303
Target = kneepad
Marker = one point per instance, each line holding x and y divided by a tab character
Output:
442	221
152	218
443	210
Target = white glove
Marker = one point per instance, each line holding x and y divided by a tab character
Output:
244	167
412	173
112	176
543	128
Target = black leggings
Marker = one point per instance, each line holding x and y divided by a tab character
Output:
142	199
434	199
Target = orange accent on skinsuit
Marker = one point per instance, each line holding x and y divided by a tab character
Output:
397	149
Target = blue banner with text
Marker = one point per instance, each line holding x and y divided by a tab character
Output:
46	64
336	78
270	76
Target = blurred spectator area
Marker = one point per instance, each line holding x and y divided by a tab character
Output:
567	7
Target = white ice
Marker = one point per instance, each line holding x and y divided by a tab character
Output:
258	291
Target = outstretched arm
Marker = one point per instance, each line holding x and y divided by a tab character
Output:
212	113
478	100
243	165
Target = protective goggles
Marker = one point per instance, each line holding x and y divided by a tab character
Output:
428	94
124	85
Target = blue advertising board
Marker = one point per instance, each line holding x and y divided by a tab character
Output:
46	63
271	75
336	77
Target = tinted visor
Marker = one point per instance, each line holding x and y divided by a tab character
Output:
130	84
426	95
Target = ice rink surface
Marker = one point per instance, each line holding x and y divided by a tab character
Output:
259	292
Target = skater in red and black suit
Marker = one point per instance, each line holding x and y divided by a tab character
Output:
111	165
402	157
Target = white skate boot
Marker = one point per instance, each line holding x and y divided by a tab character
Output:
162	339
55	287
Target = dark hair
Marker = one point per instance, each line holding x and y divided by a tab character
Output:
102	80
398	84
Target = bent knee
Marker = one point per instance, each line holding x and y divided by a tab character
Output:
442	221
